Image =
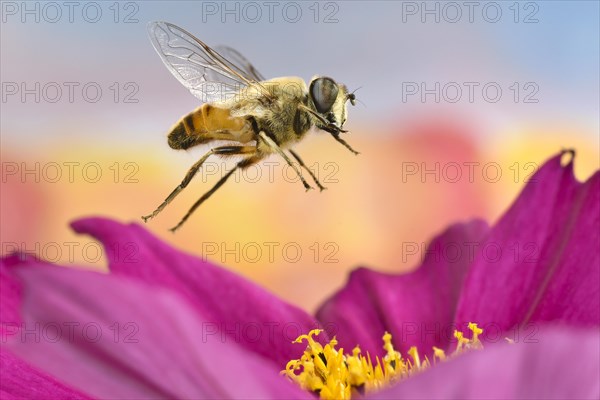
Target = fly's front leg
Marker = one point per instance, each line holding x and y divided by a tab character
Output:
297	157
337	137
273	146
329	127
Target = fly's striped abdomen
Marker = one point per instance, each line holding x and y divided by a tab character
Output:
204	124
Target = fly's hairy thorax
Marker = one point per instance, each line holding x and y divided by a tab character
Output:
277	113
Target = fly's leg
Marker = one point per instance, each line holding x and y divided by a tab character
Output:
297	157
225	150
241	165
273	146
329	127
337	137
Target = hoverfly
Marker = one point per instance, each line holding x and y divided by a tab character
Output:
261	116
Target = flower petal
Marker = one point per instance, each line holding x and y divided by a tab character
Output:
541	369
234	304
10	294
416	308
119	338
541	260
18	380
10	290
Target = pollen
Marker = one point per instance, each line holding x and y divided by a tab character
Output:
331	374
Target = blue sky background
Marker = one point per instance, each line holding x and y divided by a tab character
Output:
374	45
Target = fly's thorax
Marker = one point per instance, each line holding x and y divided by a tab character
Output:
264	99
291	88
274	105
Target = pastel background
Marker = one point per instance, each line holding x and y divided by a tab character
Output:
400	191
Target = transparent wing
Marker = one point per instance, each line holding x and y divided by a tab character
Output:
207	74
238	62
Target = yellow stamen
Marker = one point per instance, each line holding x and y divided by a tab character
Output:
332	374
438	354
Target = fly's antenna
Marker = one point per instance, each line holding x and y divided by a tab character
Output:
352	97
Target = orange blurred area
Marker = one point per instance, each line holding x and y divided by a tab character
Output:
380	208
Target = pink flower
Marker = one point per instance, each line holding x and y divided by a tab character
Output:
164	324
539	263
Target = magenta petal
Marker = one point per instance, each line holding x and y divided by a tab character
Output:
118	338
561	364
256	319
416	308
543	263
18	380
10	290
10	295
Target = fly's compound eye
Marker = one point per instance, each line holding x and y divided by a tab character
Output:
324	92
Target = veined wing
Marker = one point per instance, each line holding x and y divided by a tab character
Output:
238	62
206	73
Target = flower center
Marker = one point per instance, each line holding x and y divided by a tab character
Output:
329	372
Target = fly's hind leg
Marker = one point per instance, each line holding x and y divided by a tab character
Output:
240	165
275	147
297	157
224	150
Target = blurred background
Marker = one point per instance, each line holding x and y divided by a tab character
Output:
459	105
